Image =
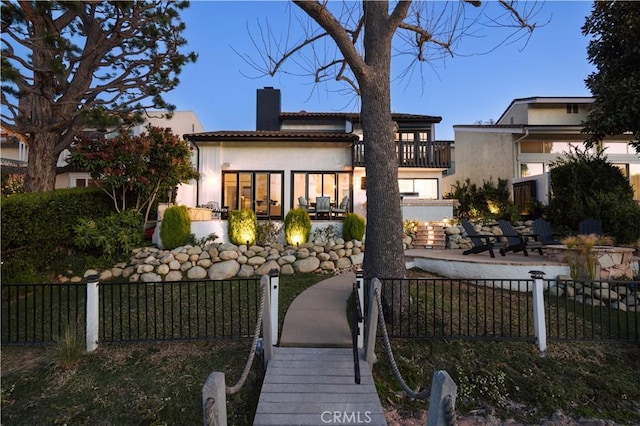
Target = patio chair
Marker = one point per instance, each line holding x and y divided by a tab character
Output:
343	209
323	207
304	204
519	242
590	226
481	242
542	228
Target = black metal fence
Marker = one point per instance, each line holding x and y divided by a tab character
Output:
42	313
132	311
430	309
498	310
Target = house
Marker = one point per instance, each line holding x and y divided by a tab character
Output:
528	136
293	156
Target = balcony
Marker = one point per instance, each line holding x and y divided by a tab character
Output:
424	154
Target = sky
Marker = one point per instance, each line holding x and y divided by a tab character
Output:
475	86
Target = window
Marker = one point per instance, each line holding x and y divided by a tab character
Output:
547	147
424	188
572	108
531	169
617	147
310	185
257	191
634	180
632	173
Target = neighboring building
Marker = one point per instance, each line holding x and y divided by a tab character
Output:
530	134
312	154
180	123
13	149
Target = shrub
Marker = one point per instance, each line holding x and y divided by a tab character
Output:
37	230
353	227
175	228
587	185
325	233
243	226
490	201
112	236
49	217
268	232
297	226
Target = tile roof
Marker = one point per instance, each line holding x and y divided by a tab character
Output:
354	116
271	136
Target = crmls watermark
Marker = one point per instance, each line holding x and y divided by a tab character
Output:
345	417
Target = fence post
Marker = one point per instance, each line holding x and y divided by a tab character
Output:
442	401
360	287
274	279
372	323
267	328
93	313
214	400
538	310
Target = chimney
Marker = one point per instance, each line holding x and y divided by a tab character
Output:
268	109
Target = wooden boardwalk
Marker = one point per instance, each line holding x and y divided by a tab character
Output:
316	386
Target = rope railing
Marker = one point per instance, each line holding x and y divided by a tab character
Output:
394	367
355	331
256	337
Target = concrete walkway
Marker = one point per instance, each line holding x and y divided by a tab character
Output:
317	317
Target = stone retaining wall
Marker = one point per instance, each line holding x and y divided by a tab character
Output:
219	261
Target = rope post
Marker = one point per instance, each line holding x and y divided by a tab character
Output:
360	286
214	400
267	327
372	323
539	320
93	313
442	401
274	280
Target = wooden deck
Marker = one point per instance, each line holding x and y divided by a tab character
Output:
316	386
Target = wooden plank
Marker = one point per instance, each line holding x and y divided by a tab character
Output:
315	386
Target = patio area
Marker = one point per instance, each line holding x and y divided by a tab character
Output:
453	264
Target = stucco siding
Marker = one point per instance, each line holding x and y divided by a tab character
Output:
556	115
481	156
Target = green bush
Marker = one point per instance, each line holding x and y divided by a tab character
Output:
37	230
175	228
297	226
353	227
243	227
113	236
489	202
586	185
49	217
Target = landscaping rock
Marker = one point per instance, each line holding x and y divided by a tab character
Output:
224	261
306	265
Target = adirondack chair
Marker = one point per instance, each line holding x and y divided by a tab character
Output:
481	242
590	226
519	242
543	229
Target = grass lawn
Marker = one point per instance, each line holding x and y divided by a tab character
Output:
160	383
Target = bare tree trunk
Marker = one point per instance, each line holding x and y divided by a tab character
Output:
384	254
41	166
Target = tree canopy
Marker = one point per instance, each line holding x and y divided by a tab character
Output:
355	43
135	168
615	51
63	60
